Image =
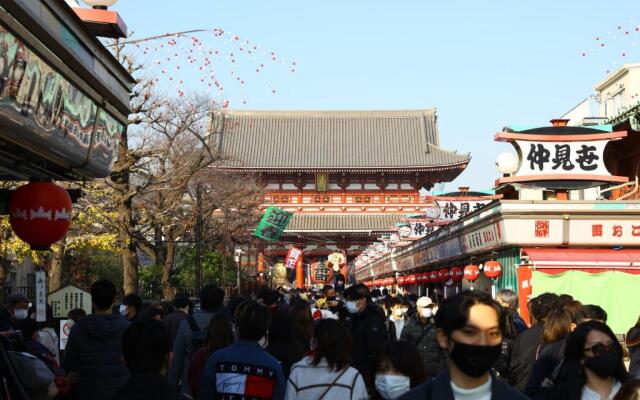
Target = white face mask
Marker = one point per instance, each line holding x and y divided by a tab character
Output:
392	386
20	313
426	312
352	307
123	310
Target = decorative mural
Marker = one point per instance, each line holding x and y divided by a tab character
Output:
49	114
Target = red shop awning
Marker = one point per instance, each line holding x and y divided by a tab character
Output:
553	261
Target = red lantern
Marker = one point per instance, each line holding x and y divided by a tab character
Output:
392	280
426	277
433	276
401	280
411	280
492	269
40	213
457	273
471	272
443	275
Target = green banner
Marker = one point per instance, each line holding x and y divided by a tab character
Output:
273	223
616	292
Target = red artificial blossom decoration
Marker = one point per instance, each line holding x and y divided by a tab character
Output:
471	272
40	213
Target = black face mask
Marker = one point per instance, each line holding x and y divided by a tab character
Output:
473	360
604	365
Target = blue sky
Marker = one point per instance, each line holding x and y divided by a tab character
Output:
483	65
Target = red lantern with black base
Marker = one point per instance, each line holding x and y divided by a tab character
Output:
492	270
40	213
457	273
472	273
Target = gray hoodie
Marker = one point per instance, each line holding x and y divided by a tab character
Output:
94	351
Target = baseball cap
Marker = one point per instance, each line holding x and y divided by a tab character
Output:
424	302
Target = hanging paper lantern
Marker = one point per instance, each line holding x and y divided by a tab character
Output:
457	273
433	276
426	277
443	275
392	280
401	280
411	280
40	213
492	269
471	272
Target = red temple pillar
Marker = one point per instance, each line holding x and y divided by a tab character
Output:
299	274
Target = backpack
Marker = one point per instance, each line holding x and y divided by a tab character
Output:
198	336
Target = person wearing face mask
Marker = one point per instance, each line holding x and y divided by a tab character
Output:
399	369
145	349
245	369
420	332
469	330
17	306
593	367
397	318
367	328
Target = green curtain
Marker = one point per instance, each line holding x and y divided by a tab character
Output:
510	259
616	292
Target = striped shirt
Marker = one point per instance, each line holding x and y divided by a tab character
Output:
309	382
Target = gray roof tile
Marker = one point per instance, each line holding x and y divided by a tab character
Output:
332	140
342	222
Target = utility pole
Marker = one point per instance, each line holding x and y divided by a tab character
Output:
198	237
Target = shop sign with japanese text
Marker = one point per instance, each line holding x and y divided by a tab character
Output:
604	232
273	223
451	210
561	157
481	239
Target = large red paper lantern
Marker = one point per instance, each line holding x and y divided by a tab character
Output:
426	277
492	269
457	273
471	272
401	280
411	280
40	213
433	276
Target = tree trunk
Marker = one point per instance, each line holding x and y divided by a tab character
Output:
168	291
55	270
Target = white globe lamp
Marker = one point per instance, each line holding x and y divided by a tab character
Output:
507	163
100	4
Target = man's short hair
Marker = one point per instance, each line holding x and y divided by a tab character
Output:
211	297
103	294
453	313
326	288
590	312
252	319
134	301
508	297
542	305
16	298
268	296
182	301
145	346
395	301
357	292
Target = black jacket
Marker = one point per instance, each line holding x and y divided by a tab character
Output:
287	352
423	337
549	358
523	356
172	324
148	386
439	388
94	351
369	336
7	321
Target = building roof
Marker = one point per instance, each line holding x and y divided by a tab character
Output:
342	223
333	140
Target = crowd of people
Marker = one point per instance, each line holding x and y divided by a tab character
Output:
352	343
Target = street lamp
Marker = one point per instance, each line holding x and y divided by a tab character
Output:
238	255
100	4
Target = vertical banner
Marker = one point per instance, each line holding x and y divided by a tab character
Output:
65	328
525	273
292	258
41	299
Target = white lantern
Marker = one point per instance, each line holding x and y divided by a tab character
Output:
100	3
507	163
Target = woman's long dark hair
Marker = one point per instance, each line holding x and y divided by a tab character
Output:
572	371
333	343
219	333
